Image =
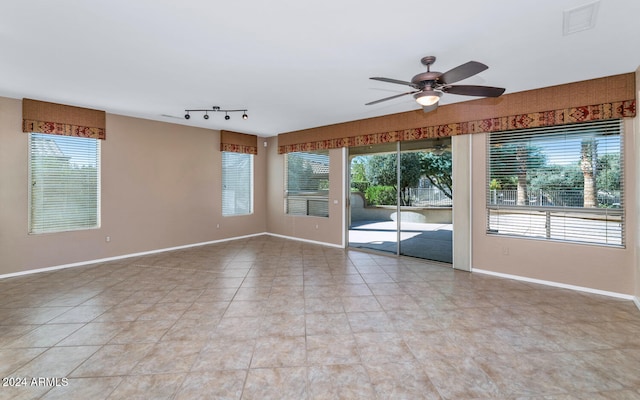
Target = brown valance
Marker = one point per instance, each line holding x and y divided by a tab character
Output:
238	142
59	119
596	99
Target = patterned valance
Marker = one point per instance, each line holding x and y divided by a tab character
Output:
59	119
594	99
238	142
621	109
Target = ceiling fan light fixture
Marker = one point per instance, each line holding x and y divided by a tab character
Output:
427	97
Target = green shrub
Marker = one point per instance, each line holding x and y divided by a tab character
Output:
381	195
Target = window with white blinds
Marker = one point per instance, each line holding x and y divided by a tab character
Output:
237	183
307	183
64	174
558	183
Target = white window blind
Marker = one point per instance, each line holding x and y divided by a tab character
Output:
64	183
237	183
307	183
559	183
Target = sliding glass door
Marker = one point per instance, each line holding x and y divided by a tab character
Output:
401	199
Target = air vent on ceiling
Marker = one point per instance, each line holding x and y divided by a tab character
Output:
580	18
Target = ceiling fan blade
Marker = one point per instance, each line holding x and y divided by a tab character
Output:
471	90
389	80
430	108
389	98
462	72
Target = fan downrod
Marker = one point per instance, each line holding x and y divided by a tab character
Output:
428	60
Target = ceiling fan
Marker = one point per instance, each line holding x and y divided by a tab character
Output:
429	85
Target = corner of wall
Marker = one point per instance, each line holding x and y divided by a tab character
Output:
636	129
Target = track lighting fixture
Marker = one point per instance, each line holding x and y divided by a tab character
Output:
216	109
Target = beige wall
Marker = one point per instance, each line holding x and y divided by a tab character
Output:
326	230
161	188
596	267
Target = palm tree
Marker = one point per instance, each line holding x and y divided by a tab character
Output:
588	159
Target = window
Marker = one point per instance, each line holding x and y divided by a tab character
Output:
307	183
237	183
64	183
559	183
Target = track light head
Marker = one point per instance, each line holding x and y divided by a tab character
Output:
214	109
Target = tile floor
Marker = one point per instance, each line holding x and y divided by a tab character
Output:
269	318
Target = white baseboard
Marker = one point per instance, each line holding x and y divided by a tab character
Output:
560	285
305	240
636	300
124	256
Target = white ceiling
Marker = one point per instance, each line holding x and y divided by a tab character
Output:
293	64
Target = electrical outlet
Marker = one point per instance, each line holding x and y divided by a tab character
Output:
107	239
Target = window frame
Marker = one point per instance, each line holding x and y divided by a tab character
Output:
250	185
66	225
594	225
307	201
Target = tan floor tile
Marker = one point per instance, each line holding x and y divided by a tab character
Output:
9	333
23	392
113	360
56	362
284	304
276	384
224	354
243	308
240	328
94	333
143	387
167	310
380	348
144	331
205	310
323	305
45	335
332	349
370	322
401	381
30	315
275	352
123	313
212	385
448	373
361	303
283	325
538	374
267	317
79	314
340	382
327	324
169	357
84	388
13	359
